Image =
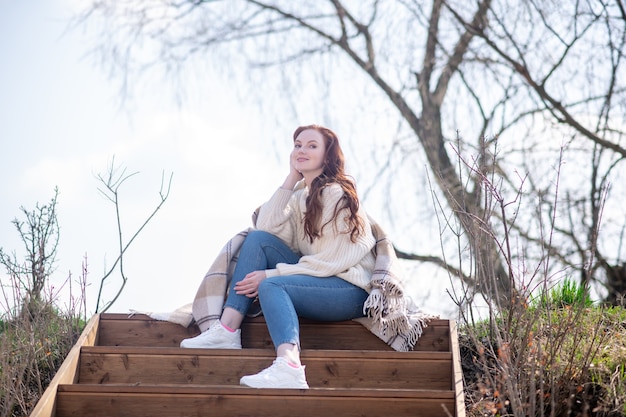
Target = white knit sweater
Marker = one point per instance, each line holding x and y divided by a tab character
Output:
333	253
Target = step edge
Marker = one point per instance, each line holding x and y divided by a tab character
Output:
174	389
306	353
249	320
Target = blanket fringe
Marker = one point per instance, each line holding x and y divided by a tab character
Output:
395	318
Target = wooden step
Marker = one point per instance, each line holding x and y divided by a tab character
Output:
141	330
172	401
324	368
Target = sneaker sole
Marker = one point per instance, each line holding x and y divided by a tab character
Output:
210	347
242	383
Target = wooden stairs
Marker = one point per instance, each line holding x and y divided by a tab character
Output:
132	366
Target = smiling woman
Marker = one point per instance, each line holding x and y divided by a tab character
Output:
311	256
308	153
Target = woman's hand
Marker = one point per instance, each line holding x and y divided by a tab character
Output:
249	285
294	175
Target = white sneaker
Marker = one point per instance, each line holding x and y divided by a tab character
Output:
279	375
217	337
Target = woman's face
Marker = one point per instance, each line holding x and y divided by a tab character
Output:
309	151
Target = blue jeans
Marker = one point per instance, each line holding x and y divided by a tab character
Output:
285	298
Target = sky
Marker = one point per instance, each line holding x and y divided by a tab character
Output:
63	122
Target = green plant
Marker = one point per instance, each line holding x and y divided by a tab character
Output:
565	293
608	369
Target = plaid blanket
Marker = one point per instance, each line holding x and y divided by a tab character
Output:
390	314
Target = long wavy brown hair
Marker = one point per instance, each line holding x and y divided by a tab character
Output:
334	172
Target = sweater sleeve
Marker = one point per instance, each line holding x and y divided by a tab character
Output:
276	216
333	252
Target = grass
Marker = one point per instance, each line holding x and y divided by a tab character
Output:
567	293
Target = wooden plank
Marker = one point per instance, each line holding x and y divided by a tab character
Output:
457	371
226	352
141	330
336	369
175	389
122	330
435	337
107	401
68	371
344	335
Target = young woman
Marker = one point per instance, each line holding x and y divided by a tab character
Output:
310	256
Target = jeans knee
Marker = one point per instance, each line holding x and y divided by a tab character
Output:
255	239
263	286
258	235
266	286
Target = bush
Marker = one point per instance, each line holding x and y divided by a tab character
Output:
534	349
546	362
34	346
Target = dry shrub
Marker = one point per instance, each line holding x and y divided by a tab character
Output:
540	349
539	363
37	330
34	342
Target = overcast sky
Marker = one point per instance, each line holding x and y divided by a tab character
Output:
61	122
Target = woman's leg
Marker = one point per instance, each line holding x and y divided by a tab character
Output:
260	251
286	298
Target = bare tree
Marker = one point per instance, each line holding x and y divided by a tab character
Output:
490	86
39	233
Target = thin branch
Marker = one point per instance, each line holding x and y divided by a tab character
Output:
436	261
112	183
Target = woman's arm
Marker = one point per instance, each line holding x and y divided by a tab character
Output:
276	216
